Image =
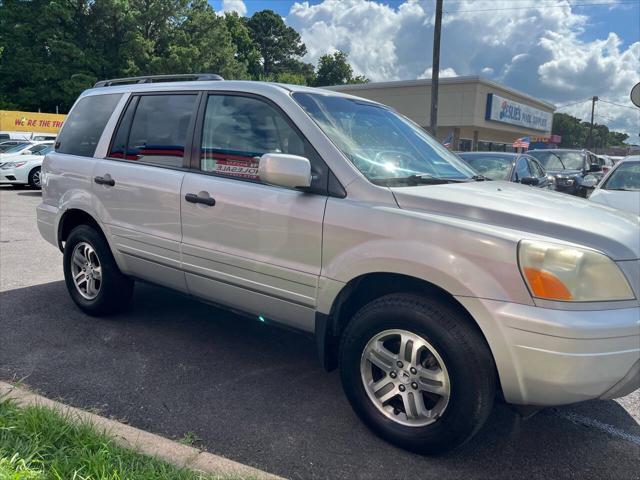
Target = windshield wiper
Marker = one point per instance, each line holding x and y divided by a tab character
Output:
413	180
480	178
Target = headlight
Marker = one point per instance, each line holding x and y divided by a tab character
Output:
15	164
558	272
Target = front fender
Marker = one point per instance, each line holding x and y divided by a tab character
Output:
464	258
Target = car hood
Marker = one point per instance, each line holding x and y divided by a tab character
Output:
530	210
627	201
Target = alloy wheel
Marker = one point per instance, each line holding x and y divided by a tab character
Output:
36	179
86	270
405	377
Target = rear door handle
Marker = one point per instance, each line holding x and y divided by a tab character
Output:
194	198
104	181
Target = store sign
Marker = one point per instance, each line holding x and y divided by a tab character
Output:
546	139
14	121
500	109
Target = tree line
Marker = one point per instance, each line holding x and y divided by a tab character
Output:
51	50
575	133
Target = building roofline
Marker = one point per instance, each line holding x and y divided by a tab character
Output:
443	81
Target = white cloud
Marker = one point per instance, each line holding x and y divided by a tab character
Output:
234	6
540	50
444	73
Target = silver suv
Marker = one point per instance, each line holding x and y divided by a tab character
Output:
432	290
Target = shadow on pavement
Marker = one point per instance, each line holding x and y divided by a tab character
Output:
257	394
37	193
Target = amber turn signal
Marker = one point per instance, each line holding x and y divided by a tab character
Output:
546	285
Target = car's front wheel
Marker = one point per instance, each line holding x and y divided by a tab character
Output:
35	178
91	274
417	372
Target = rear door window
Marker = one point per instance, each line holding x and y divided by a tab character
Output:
83	127
154	129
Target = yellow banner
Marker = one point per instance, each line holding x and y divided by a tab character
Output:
14	121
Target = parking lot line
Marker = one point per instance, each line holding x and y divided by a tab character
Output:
598	425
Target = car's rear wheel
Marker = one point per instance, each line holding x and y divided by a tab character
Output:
91	274
417	372
35	179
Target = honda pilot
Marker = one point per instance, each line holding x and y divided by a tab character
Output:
432	290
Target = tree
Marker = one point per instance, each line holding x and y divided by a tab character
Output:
575	132
200	42
276	42
570	129
246	49
334	69
54	49
44	53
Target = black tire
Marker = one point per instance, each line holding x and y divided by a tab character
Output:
461	346
34	178
116	289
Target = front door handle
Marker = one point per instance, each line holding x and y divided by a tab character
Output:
104	181
194	198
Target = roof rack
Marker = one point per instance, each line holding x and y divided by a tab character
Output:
159	78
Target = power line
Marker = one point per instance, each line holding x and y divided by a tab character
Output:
564	5
573	103
619	105
599	115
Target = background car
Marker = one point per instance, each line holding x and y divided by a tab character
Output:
8	144
25	169
576	172
510	167
606	162
621	187
26	148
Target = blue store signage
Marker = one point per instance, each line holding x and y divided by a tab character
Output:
500	109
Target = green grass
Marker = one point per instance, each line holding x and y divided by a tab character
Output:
37	443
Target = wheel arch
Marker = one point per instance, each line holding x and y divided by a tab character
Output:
70	219
362	290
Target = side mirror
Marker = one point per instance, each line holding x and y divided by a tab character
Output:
285	170
26	152
530	181
595	168
590	181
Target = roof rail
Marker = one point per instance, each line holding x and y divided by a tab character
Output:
158	78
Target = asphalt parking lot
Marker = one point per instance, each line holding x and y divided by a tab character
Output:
253	393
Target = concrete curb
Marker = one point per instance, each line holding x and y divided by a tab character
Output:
141	441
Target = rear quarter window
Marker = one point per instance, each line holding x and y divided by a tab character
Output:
83	127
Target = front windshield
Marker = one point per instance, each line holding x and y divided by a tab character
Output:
551	160
42	149
625	177
16	148
495	167
380	143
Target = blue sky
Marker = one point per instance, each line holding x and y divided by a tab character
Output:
563	51
623	19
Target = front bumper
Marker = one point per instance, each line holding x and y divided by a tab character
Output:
553	357
13	175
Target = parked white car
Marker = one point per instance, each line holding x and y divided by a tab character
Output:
431	288
26	148
25	169
620	188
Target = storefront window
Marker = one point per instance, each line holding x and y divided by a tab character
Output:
465	144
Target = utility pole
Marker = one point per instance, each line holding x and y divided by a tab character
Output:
593	107
435	70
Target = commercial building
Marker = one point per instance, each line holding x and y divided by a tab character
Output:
479	114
